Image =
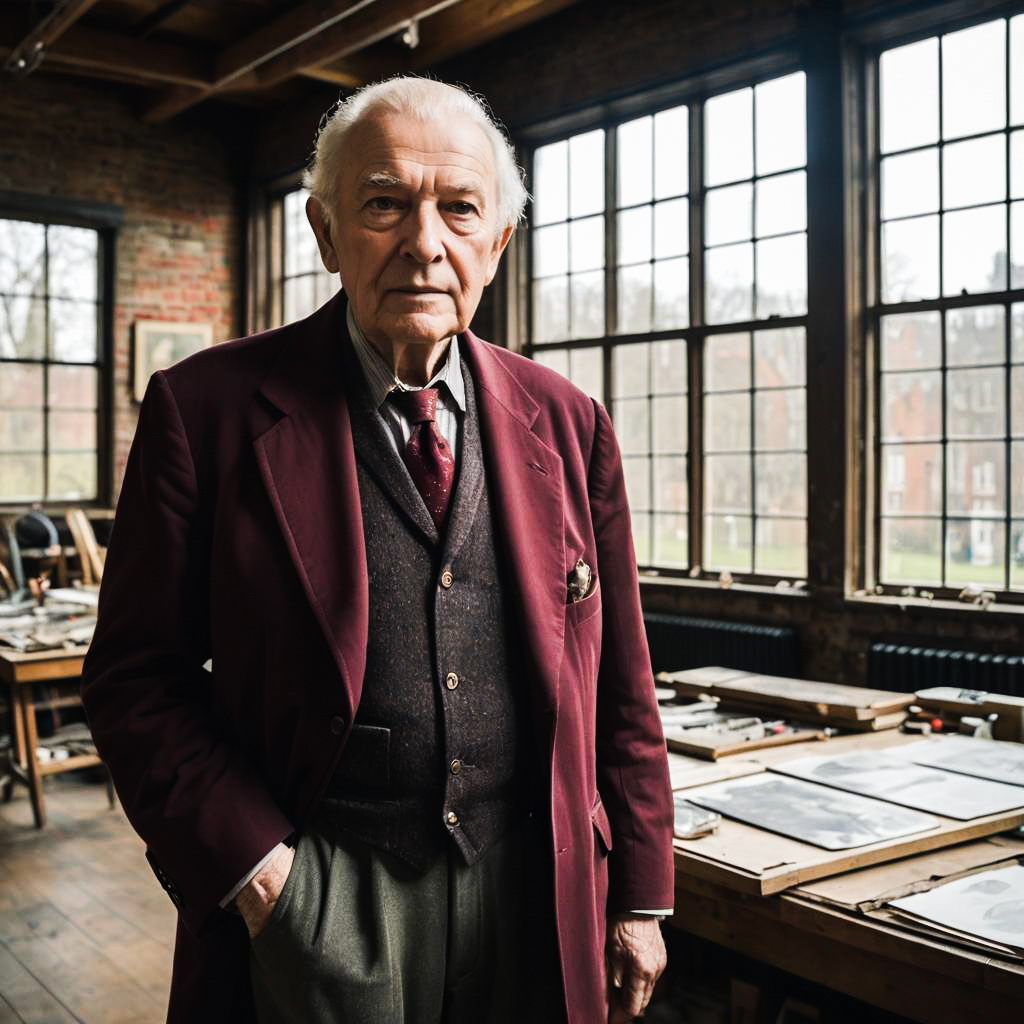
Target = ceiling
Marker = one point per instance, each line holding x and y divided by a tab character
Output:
180	53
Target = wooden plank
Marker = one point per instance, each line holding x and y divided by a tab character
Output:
30	50
712	747
687	771
27	998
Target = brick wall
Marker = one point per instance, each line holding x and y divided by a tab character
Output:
179	249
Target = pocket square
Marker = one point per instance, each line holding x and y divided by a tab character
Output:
579	581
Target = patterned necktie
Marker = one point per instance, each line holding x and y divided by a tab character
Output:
427	455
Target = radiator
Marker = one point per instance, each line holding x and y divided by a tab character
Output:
907	668
678	642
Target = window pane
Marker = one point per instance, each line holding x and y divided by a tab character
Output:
1017	245
641	525
669	423
670	368
586	173
976	478
1017	401
780	419
910	95
781	484
911	551
1017	557
910	259
551	309
670	485
630	370
588	304
551	250
781	129
730	283
72	477
635	299
21	477
1018	332
779	357
21	385
672	228
635	241
910	184
635	148
782	204
21	430
636	471
671	152
671	541
73	262
299	297
327	285
728	214
781	547
1017	69
554	359
727	483
587	371
727	543
727	422
728	134
22	258
974	80
975	553
975	335
911	405
975	403
72	430
1017	479
782	276
632	425
727	362
73	331
301	255
22	327
1017	165
911	341
911	479
551	183
586	244
671	294
974	172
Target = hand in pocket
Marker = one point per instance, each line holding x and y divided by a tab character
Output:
256	900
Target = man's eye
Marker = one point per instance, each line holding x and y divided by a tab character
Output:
383	203
462	208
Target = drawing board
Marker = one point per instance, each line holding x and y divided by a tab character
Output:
997	760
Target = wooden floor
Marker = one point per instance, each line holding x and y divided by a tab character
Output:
86	932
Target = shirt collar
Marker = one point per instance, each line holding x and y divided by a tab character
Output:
382	381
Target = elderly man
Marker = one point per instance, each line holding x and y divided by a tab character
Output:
425	766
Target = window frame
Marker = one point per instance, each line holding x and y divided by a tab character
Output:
864	160
694	91
105	219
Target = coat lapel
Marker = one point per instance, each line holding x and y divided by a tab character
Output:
526	487
307	463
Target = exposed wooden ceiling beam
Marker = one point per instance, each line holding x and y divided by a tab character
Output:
27	54
101	52
273	56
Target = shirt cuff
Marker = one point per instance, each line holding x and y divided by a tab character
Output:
659	914
226	902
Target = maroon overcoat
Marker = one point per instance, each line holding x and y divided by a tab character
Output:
239	538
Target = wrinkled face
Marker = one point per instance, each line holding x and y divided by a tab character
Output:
413	228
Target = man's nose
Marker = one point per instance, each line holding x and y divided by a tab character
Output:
422	241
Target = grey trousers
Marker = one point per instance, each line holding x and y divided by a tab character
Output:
358	936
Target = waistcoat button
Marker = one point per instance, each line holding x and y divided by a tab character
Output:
455	767
452	818
337	725
447	579
451	680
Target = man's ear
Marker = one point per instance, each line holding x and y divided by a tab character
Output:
318	222
499	247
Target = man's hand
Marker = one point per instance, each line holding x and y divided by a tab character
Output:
635	953
256	900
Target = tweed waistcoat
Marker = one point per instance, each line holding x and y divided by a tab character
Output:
436	747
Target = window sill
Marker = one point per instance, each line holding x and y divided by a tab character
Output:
685	583
936	606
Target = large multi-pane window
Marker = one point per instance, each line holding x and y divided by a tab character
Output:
668	251
50	356
301	282
949	151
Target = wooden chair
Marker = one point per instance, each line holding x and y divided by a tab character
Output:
90	553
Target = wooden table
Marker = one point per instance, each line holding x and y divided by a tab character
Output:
18	672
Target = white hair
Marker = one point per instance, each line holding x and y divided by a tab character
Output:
426	100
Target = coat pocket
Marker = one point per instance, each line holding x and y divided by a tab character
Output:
599	819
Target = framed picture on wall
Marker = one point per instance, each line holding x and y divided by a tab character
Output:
162	343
